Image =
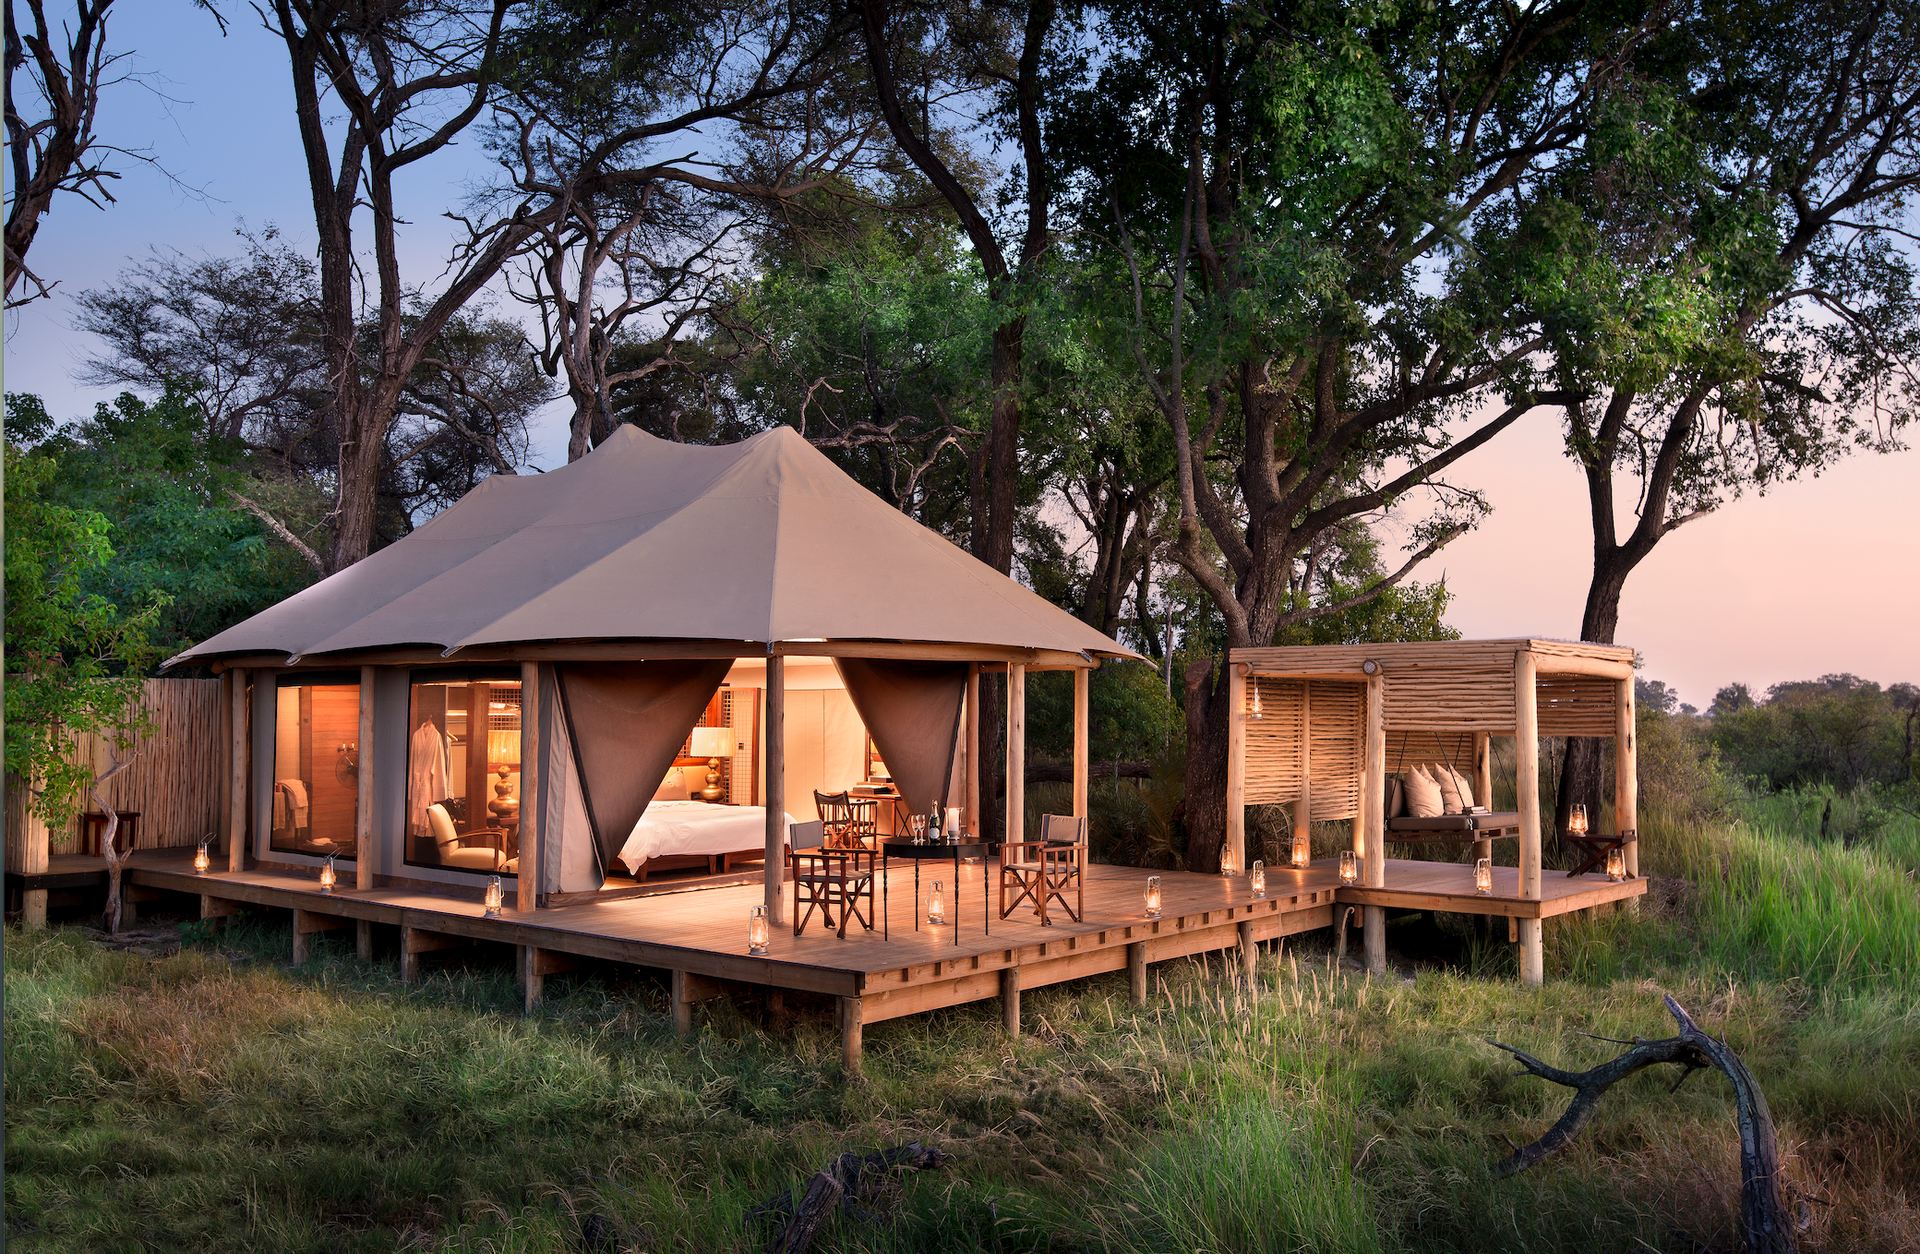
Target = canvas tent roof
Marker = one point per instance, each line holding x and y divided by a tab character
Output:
763	542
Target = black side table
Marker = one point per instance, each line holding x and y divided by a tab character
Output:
938	852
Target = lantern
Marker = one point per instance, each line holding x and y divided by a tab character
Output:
1302	851
1229	865
757	931
201	862
1153	896
1483	876
1349	867
327	879
1257	873
937	905
1616	865
1577	820
1256	700
493	896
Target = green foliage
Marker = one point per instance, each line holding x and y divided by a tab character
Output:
1838	730
1130	718
162	489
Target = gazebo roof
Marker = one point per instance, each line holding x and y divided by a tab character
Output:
756	547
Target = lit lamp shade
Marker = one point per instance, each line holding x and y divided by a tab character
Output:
495	897
201	862
712	742
1616	865
937	905
757	931
1153	896
1483	876
327	878
1229	864
1577	820
1302	851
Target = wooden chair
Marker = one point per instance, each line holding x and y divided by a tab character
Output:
1046	870
849	824
828	880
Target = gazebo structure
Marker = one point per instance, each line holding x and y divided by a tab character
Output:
1320	728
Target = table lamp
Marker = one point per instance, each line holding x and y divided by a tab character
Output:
712	743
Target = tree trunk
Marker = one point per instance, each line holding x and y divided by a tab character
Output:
362	440
1583	775
993	767
1206	776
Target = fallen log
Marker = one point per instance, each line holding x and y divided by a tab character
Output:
1763	1212
844	1184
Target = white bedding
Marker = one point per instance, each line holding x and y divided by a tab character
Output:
695	827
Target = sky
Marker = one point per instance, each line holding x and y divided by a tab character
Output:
1815	577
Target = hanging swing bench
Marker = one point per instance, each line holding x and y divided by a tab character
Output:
1467	827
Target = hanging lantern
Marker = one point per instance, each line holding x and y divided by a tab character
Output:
1153	896
1577	821
327	878
1229	864
1257	874
1256	699
1616	865
1349	867
1483	876
201	862
493	896
1302	851
757	931
937	905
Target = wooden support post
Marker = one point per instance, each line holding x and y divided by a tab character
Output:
1236	836
974	823
536	964
682	1006
305	924
1626	771
238	757
1526	724
363	939
1373	867
776	865
1082	690
1137	973
850	1034
215	908
1010	999
33	909
413	943
224	820
1249	953
1482	786
1016	751
364	850
1303	808
532	885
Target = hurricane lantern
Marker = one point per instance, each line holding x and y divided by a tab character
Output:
1257	874
1302	851
1349	867
1577	820
201	862
1483	876
493	896
1229	864
327	877
937	905
1153	896
757	931
1616	865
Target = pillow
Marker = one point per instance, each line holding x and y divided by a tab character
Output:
1396	798
1465	789
1423	795
673	787
1449	794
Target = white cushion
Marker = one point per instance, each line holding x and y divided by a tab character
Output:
1423	795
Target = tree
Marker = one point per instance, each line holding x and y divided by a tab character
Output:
1722	275
1288	202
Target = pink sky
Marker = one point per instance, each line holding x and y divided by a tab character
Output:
1817	576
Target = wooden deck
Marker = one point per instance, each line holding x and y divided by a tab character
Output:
699	934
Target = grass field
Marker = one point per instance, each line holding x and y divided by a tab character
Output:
215	1099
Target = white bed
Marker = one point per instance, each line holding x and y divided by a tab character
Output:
683	833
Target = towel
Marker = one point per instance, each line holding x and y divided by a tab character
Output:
290	803
426	774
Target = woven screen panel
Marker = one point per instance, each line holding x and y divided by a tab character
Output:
1453	698
1576	705
1276	735
1407	748
1339	748
1272	716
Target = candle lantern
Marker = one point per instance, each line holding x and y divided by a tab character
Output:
1302	852
937	905
493	896
757	931
1153	896
201	862
1257	874
327	878
1483	876
1577	820
1229	865
1349	867
1616	865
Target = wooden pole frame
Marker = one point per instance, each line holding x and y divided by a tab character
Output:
1373	867
1082	704
974	823
365	849
776	759
1626	772
1526	722
533	850
1303	808
239	763
1016	752
1236	839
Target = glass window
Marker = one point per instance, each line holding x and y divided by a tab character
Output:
316	764
463	771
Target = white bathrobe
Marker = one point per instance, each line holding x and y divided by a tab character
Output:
426	774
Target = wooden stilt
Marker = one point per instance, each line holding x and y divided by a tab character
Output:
414	942
1374	920
1016	751
365	852
305	925
1137	973
849	1014
1236	837
237	761
1373	867
363	939
1526	723
1082	696
1626	772
1249	952
682	1006
532	886
33	908
776	849
1010	999
215	908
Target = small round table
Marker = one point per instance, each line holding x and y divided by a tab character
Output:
902	848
